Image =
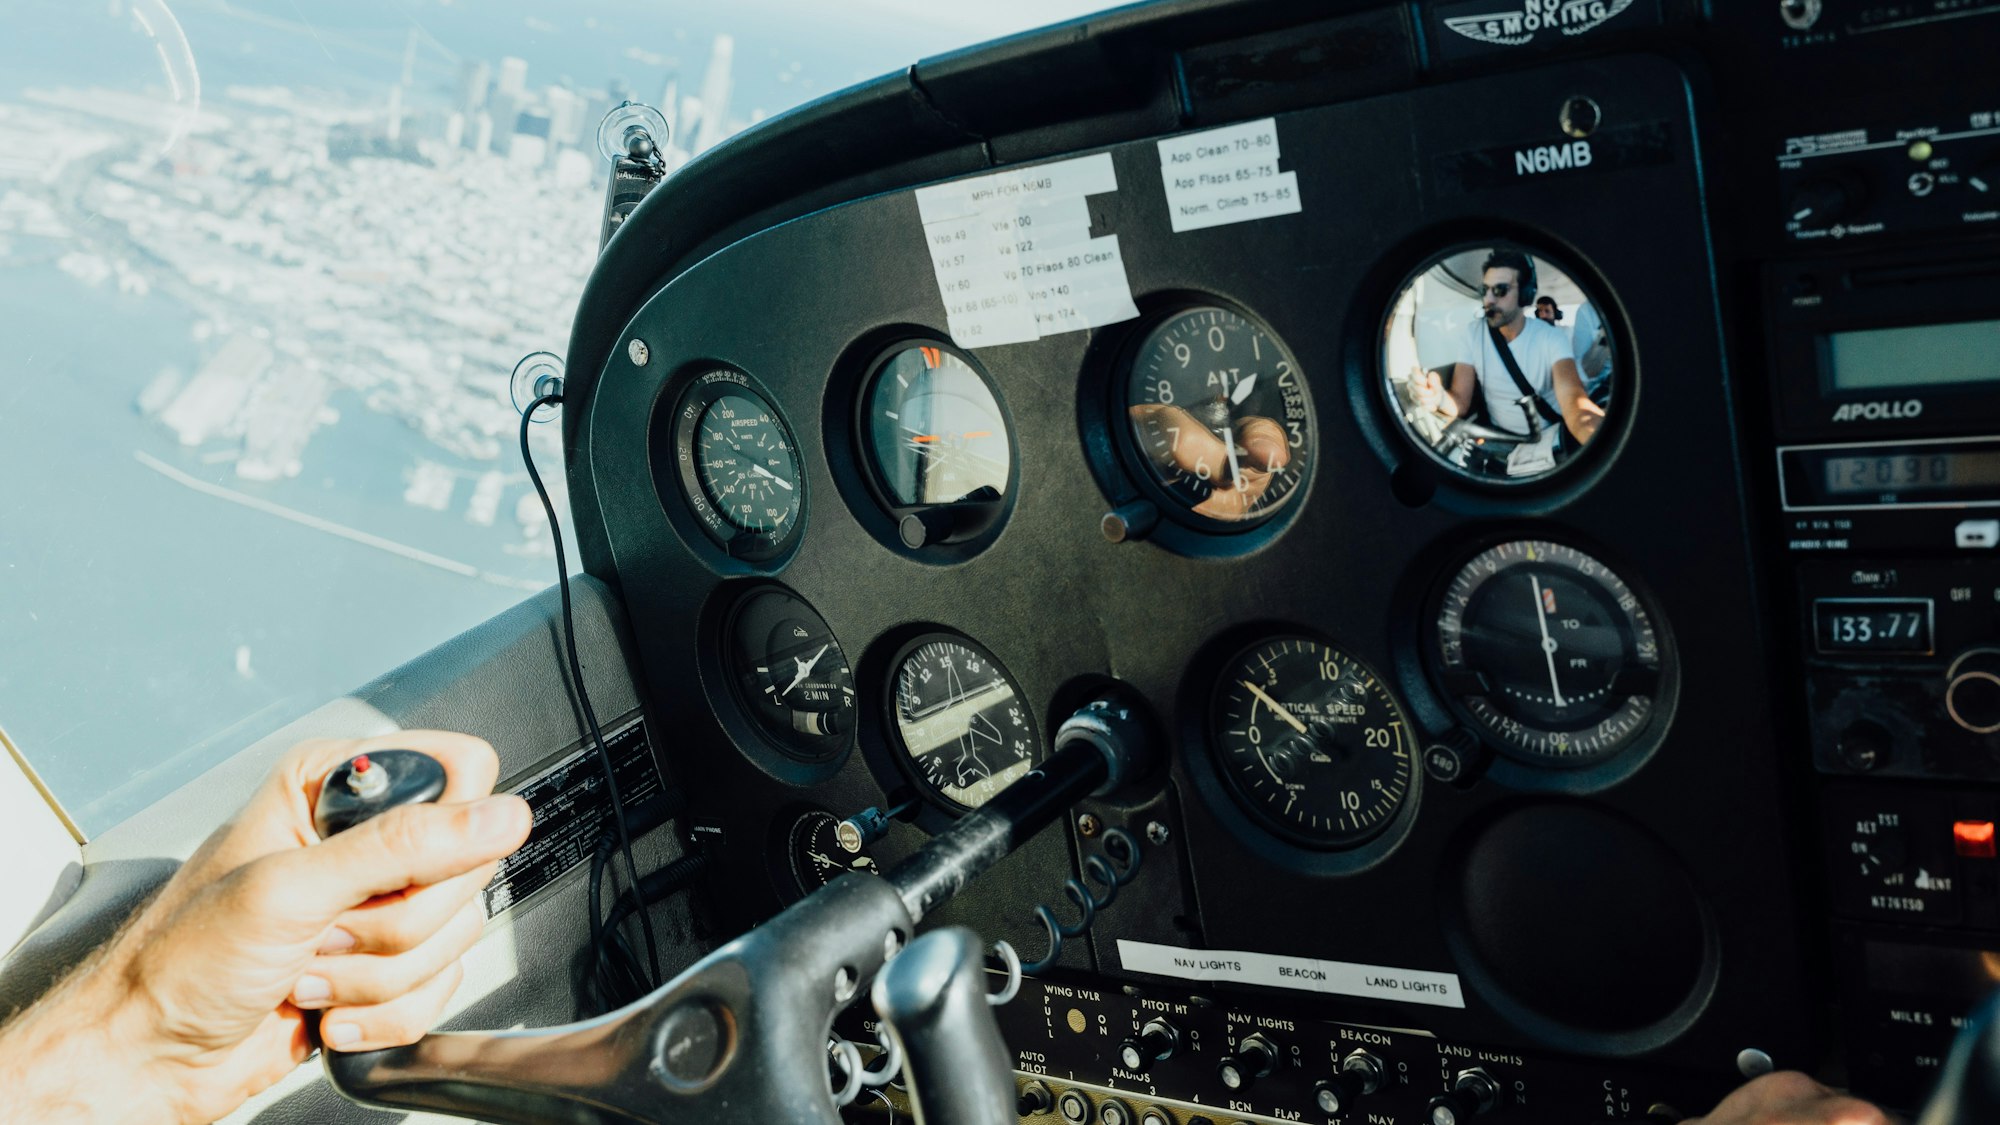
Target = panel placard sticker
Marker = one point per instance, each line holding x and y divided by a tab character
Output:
1014	257
1228	175
572	805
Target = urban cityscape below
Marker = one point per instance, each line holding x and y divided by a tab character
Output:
263	289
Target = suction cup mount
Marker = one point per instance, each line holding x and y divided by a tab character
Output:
634	131
537	375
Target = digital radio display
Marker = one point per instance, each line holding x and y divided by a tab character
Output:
1944	473
1927	355
1874	473
1873	625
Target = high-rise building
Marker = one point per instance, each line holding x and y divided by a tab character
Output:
529	145
715	87
473	79
394	130
669	106
479	137
565	116
513	77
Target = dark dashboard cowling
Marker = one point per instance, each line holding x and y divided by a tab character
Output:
1628	933
1653	940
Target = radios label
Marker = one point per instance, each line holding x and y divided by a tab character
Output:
1878	411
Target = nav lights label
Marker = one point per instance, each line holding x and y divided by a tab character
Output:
1304	974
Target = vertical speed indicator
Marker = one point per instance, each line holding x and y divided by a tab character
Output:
1311	742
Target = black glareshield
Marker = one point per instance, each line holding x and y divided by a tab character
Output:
741	1036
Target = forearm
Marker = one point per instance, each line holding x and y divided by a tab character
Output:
80	1055
1582	423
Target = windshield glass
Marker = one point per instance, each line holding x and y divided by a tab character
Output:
264	270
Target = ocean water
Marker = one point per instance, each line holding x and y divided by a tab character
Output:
149	626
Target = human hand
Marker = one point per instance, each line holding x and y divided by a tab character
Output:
200	1002
1198	452
1790	1098
1426	387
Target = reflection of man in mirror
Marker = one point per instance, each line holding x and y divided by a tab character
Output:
1546	309
1538	390
1592	348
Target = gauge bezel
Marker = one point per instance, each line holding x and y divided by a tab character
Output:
1133	462
1578	463
1418	476
1192	730
715	381
725	709
906	762
1606	766
732	618
791	885
977	518
1345	842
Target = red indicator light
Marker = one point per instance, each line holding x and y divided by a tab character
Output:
362	765
1973	838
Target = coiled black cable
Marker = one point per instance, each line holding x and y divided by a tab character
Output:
1100	870
650	970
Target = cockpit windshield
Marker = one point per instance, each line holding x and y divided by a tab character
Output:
264	268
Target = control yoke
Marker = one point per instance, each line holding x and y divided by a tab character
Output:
741	1036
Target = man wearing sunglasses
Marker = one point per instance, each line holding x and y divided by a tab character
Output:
1539	392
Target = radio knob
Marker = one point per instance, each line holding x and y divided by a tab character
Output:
1826	199
1985	179
1255	1057
1865	745
1972	690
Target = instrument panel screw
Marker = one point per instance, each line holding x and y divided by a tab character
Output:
1580	117
1087	824
1156	833
638	351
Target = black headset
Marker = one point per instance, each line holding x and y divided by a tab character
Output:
1506	258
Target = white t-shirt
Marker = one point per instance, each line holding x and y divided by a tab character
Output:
1583	339
1536	350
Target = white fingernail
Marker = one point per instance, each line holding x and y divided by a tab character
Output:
336	940
342	1034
